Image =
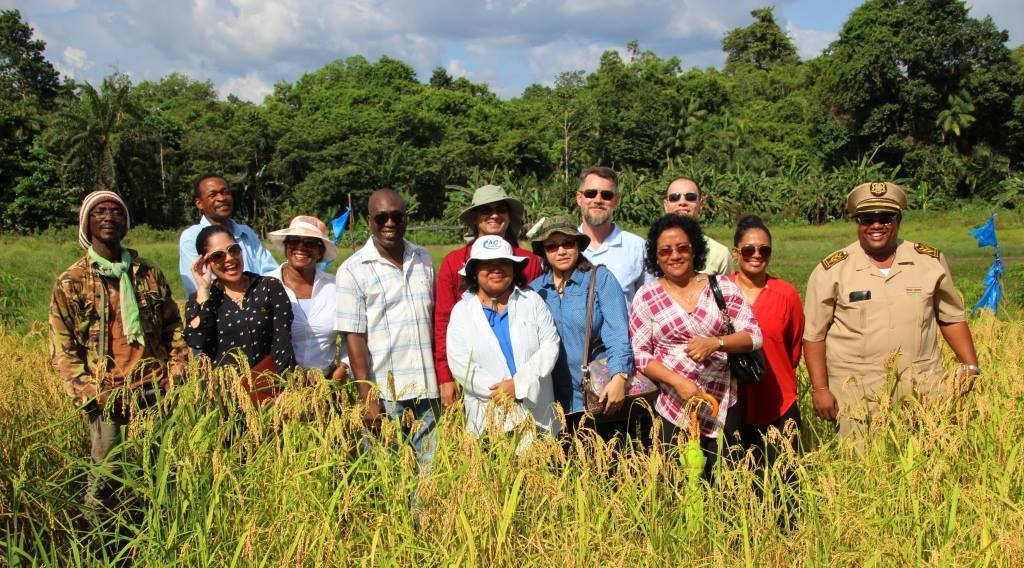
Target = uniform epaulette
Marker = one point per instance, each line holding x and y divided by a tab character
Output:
834	259
926	249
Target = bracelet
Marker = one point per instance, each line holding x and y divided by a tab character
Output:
963	368
817	389
721	343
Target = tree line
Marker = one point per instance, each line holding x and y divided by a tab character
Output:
911	90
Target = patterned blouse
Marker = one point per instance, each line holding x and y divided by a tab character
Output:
260	327
660	330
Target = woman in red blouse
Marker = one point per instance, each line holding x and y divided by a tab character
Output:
771	403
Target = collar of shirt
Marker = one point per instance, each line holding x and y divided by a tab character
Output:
320	279
235	228
614	240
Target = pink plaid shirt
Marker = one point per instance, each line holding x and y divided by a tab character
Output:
660	329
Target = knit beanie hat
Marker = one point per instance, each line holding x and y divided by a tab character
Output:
91	201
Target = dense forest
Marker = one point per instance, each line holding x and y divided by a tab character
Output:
911	90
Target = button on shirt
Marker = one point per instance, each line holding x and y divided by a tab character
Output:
257	259
394	307
623	253
313	335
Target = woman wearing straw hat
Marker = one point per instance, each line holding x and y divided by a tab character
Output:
492	212
312	294
502	345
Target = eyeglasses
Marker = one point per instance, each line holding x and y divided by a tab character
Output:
748	251
868	219
606	194
569	244
488	210
219	256
681	248
689	196
107	213
382	218
306	242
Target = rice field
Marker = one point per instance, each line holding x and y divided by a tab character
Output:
936	483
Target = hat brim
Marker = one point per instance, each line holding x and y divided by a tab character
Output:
515	209
537	244
277	240
882	205
517	260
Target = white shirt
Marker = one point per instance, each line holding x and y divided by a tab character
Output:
394	307
314	338
623	254
477	362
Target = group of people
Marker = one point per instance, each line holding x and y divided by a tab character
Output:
505	326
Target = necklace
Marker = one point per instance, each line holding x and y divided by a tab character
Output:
687	294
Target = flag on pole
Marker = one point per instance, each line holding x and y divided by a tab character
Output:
338	226
993	295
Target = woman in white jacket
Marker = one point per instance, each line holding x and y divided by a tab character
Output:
502	345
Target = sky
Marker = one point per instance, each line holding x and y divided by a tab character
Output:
245	46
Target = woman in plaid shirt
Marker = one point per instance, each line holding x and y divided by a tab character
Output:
677	330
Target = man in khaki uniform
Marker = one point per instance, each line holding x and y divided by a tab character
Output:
875	305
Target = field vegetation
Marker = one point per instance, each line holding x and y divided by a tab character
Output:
937	483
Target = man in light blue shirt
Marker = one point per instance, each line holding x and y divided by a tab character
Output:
620	251
212	196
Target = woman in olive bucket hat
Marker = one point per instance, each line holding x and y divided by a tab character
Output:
492	212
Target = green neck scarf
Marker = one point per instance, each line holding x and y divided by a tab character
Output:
129	306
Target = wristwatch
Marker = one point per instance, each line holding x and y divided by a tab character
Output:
975	368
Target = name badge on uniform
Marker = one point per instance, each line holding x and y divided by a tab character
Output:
913	291
860	295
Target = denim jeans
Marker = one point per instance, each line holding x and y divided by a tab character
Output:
425	413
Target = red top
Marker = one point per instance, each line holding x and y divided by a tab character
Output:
449	292
780	313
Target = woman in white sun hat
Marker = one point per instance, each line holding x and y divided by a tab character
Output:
502	346
312	294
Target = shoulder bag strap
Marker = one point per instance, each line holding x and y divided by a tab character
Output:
720	300
585	364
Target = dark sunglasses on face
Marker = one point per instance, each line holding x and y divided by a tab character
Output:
606	194
382	218
567	245
689	196
111	213
748	251
681	248
868	219
220	256
488	210
307	242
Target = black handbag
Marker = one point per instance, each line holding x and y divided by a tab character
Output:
747	368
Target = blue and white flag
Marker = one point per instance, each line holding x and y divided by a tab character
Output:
338	226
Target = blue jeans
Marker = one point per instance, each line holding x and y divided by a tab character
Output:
425	412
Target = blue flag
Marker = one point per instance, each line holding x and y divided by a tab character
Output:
338	225
986	234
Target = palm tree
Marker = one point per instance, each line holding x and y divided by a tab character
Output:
88	130
957	117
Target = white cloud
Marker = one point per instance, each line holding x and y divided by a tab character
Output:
809	43
77	58
250	87
1005	13
455	69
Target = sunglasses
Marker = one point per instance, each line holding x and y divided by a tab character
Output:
868	219
606	194
219	256
681	248
307	242
567	245
382	218
689	196
488	210
748	251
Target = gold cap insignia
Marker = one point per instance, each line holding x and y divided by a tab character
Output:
834	259
926	250
878	189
